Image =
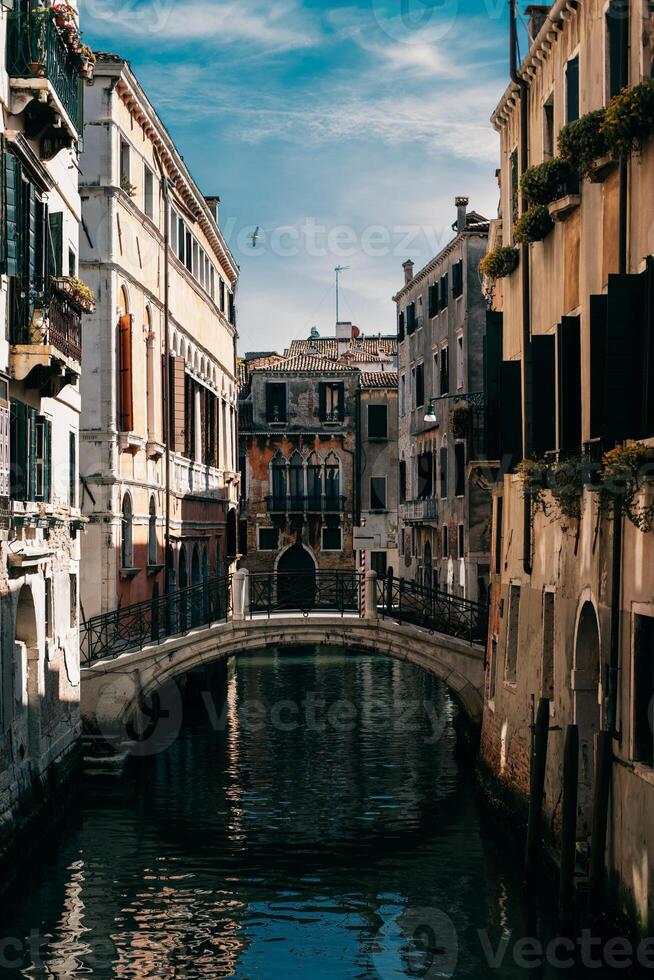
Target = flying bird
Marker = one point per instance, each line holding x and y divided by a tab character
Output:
254	236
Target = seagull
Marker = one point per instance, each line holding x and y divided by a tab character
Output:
254	236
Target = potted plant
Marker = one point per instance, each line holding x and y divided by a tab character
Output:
127	186
582	143
460	418
545	182
560	482
501	262
534	225
628	475
629	118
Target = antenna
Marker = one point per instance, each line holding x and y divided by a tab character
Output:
338	270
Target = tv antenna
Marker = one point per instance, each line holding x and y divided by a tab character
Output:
338	270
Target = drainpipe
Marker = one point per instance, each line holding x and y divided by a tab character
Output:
527	383
616	557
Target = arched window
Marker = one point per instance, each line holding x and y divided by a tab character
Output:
332	482
279	477
152	533
296	479
125	408
126	546
314	482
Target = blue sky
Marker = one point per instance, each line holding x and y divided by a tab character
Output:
343	129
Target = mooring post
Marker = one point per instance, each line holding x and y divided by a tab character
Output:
241	596
370	599
538	767
568	830
601	787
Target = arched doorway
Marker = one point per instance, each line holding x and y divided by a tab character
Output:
587	713
27	649
296	578
183	584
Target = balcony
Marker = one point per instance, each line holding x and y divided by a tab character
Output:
195	479
46	336
420	510
290	504
44	74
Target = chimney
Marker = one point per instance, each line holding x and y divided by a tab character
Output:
214	205
536	17
408	271
461	212
344	335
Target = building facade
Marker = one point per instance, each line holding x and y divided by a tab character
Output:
41	305
158	454
316	437
444	517
572	617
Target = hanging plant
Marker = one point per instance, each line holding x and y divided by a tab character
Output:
534	225
460	419
583	142
499	263
627	474
127	186
555	488
546	182
629	118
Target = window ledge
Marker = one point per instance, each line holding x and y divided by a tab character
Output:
154	569
129	442
129	573
563	207
602	168
155	449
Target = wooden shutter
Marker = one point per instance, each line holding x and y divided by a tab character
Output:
569	386
625	350
47	459
5	455
598	314
410	318
18	450
543	348
445	286
12	212
72	469
322	401
55	243
460	468
177	376
125	411
492	372
572	90
648	359
31	453
400	327
433	300
30	194
341	400
511	414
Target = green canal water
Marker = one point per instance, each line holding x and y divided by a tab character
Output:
310	817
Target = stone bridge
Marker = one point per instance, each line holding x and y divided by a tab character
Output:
114	686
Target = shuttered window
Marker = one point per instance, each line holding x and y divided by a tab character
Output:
377	422
410	318
425	475
176	420
402	481
544	419
511	414
55	243
12	175
433	300
275	401
443	472
459	469
125	397
457	279
72	469
598	310
400	326
492	371
445	371
42	459
30	454
420	385
569	383
613	18
572	90
443	297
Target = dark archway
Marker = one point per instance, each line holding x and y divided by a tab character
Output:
296	578
27	636
586	707
183	584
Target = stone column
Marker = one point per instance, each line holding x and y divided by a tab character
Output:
370	593
241	596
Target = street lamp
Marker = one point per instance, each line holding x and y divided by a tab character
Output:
430	417
475	398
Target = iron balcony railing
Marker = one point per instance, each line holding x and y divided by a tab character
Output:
132	627
62	321
423	509
303	592
35	49
65	329
293	504
439	612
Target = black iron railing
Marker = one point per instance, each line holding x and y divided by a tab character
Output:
65	332
35	49
294	504
134	627
440	612
305	592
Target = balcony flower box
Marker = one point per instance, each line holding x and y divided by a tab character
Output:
77	292
602	167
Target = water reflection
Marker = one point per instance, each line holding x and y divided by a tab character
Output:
310	813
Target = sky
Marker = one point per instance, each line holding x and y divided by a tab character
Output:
343	130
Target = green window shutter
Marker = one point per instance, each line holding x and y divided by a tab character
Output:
572	90
625	350
543	348
30	201
18	450
649	347
47	460
433	300
55	243
41	244
12	212
400	327
569	364
31	453
322	400
598	308
511	414
492	370
72	469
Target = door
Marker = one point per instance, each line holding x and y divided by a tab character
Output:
296	579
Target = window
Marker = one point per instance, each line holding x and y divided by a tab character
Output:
378	563
425	480
403	395
152	533
278	475
296	480
445	541
377	493
511	666
443	292
268	538
420	385
331	398
643	690
30	448
572	90
332	539
410	319
72	584
72	469
72	263
457	279
460	469
377	422
548	128
402	481
222	294
461	541
148	191
49	623
443	471
514	176
124	164
275	402
243	538
420	319
432	300
499	514
314	482
460	366
126	549
613	73
547	662
332	482
124	357
436	375
445	371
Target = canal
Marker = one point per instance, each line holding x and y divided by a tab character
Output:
311	818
